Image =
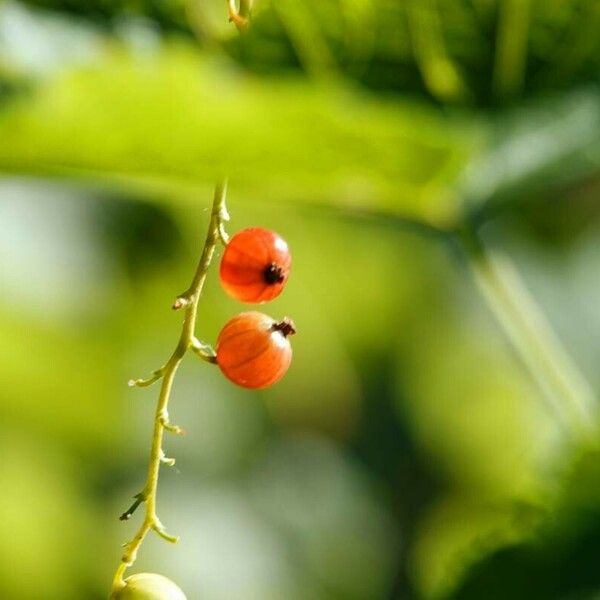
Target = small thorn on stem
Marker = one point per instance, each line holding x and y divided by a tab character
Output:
174	429
156	375
159	528
139	498
166	460
164	421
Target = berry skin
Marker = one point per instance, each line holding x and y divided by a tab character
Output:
255	265
253	349
149	586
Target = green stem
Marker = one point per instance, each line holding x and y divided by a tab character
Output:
189	302
245	6
439	72
511	47
240	17
310	46
534	341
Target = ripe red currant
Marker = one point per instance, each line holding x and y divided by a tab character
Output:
253	349
149	586
255	265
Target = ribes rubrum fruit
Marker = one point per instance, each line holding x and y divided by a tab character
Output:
255	265
253	349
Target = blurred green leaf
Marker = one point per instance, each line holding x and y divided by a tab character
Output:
541	146
459	532
45	517
559	558
174	123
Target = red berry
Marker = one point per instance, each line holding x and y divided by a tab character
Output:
253	349
255	265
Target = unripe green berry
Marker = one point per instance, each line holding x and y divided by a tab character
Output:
149	586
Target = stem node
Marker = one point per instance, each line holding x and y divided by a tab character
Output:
180	302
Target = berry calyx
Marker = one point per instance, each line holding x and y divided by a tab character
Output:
255	265
253	350
149	586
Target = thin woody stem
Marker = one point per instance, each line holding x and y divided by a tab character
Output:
188	301
562	384
240	18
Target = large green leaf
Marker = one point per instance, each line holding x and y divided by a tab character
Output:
173	122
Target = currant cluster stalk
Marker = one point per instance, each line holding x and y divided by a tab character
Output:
188	302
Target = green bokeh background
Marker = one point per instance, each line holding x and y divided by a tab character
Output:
407	150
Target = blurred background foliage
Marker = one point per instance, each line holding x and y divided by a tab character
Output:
423	158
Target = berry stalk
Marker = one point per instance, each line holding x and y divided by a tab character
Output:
188	302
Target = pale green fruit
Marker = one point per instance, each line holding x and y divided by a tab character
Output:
149	586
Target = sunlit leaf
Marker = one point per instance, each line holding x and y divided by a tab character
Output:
175	123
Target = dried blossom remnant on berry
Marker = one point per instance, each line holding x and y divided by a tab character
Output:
286	327
274	274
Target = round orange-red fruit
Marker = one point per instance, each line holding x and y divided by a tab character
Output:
253	350
255	265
